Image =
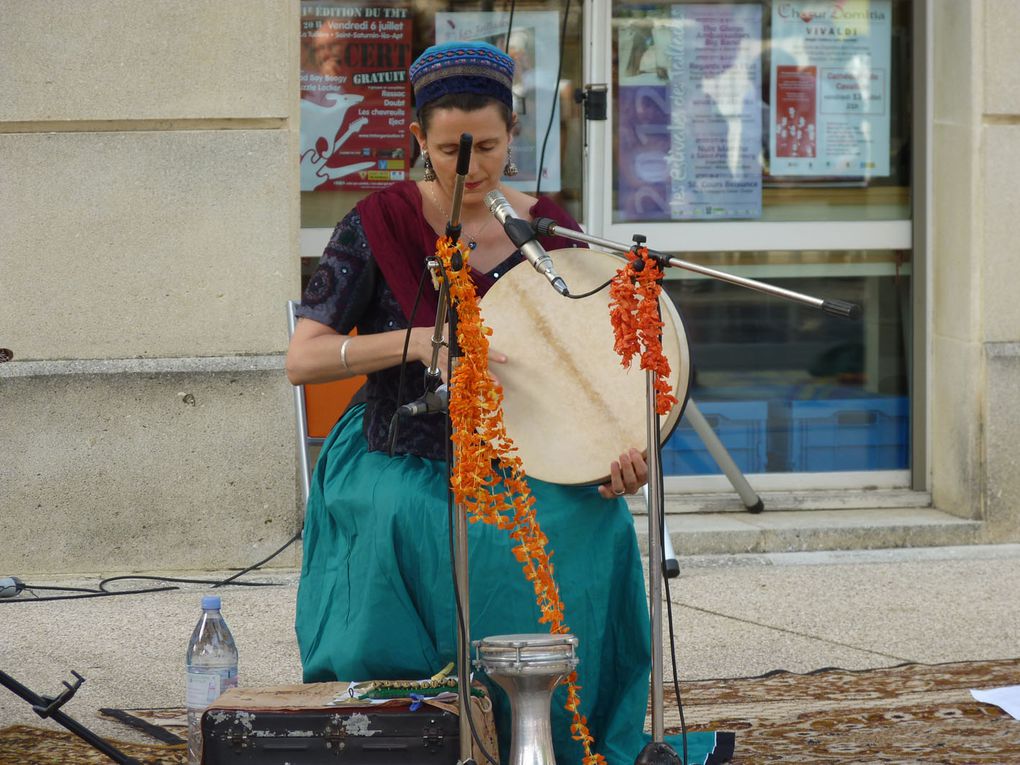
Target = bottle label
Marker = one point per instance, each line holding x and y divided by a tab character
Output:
206	685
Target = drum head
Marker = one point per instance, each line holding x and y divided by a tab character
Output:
536	640
569	406
527	654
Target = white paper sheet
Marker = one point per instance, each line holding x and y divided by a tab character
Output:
1007	698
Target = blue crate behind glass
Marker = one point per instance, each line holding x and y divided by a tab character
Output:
740	425
850	434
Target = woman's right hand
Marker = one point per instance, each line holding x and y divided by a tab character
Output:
316	352
420	349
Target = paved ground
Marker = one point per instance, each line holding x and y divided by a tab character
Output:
733	616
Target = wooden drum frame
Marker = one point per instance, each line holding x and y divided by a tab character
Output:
569	406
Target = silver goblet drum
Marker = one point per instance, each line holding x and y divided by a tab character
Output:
528	668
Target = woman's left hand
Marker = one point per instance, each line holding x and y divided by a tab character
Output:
627	475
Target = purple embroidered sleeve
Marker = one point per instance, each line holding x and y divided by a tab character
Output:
344	294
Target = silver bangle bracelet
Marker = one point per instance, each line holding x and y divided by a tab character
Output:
343	353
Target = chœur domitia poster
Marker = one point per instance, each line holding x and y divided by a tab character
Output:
355	96
829	101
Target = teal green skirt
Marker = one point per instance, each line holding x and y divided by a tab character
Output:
376	601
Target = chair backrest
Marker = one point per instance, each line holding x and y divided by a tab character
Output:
317	408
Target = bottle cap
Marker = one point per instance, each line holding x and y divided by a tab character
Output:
210	601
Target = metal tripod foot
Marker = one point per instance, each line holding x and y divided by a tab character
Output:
722	458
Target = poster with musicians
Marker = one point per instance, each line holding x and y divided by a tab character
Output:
829	103
689	114
535	48
355	96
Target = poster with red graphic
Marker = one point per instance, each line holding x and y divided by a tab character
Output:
796	119
355	96
829	101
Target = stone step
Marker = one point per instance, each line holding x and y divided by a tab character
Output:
782	529
777	501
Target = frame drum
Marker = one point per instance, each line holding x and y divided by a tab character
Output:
569	406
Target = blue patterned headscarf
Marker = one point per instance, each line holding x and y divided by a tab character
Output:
462	67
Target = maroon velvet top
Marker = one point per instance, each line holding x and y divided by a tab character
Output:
401	239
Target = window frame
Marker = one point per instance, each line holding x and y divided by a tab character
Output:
716	236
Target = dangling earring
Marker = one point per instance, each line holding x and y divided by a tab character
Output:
510	169
430	172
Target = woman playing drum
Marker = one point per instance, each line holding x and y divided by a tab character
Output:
375	598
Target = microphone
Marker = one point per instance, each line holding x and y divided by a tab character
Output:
463	167
522	235
432	401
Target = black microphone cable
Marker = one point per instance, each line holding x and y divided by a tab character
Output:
661	485
394	420
214	582
509	27
81	593
556	99
589	293
556	90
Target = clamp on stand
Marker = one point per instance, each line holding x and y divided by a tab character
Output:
47	706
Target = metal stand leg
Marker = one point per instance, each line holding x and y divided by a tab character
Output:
722	458
46	706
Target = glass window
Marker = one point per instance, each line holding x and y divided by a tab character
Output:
779	132
356	108
777	110
787	388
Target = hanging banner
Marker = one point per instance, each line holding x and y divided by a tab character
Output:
355	96
689	117
534	46
829	104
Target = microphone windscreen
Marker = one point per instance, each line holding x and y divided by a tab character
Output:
464	154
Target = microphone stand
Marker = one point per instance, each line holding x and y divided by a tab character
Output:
657	751
840	308
461	564
433	375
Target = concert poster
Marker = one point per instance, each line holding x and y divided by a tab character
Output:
355	96
689	115
534	46
829	101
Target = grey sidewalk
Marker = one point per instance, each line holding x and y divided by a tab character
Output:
733	615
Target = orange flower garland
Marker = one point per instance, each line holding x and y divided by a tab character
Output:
480	442
637	327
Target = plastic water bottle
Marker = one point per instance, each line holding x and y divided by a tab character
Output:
212	669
